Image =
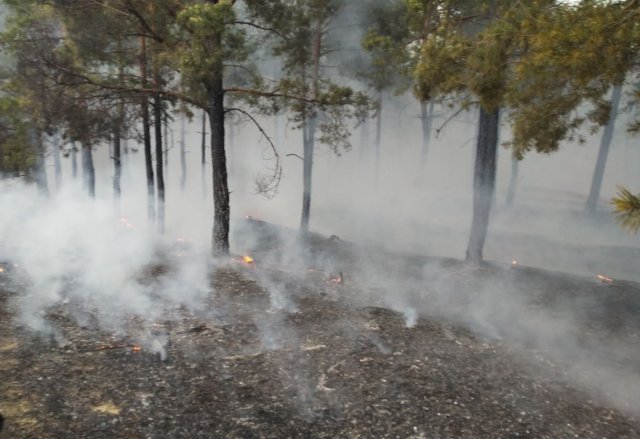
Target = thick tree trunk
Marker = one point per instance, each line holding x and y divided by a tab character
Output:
183	157
219	167
88	171
74	160
484	180
203	159
308	141
603	152
513	181
157	119
426	119
117	168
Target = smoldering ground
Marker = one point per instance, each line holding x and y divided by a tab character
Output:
393	232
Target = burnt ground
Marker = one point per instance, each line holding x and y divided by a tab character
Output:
283	352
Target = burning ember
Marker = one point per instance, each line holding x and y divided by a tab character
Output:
136	348
245	260
604	279
514	262
336	279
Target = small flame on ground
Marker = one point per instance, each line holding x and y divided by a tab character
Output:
335	279
604	279
126	223
1	269
514	262
247	259
136	348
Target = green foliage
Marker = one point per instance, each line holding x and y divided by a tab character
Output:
627	207
543	60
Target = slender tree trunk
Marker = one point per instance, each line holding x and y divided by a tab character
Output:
603	152
203	159
157	116
308	134
513	181
56	160
41	172
117	168
74	160
146	135
426	119
484	180
378	135
215	95
364	139
183	157
88	171
308	141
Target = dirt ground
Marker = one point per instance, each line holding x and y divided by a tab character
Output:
327	363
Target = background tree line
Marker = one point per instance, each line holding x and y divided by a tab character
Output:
82	73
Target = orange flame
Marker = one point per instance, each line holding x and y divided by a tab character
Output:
247	259
604	279
136	348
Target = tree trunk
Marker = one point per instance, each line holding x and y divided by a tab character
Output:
484	180
74	160
40	171
308	134
308	141
513	181
426	119
146	135
117	168
88	171
603	152
220	233
157	119
56	160
378	135
364	139
183	157
203	159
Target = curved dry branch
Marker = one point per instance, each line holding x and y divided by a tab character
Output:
265	185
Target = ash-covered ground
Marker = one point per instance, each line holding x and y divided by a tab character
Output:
338	341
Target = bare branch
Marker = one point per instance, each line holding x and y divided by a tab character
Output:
267	185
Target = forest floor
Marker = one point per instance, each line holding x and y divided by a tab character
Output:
351	343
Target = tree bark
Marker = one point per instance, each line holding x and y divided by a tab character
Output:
513	181
55	144
203	159
308	134
146	135
603	152
40	171
215	92
308	142
378	135
484	180
183	157
117	168
364	139
88	171
74	160
157	119
426	119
